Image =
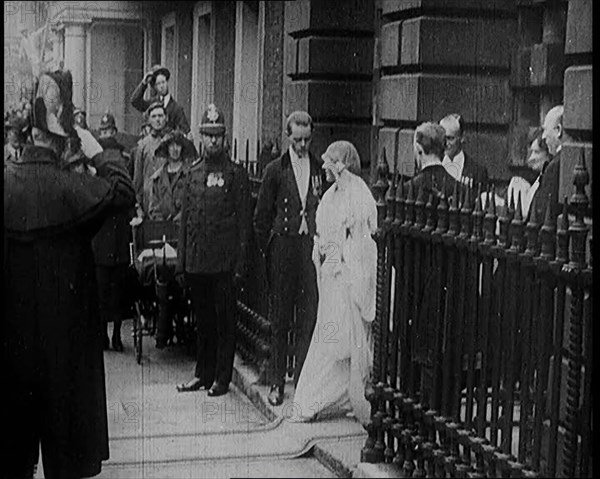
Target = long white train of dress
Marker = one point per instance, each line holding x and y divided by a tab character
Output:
339	358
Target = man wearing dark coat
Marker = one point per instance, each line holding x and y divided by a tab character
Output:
284	224
431	177
157	82
547	191
457	162
52	333
211	253
145	161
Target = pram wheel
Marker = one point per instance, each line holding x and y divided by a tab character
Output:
137	333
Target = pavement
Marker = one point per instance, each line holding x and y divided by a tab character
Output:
155	432
335	443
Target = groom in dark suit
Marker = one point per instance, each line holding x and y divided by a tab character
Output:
456	161
284	224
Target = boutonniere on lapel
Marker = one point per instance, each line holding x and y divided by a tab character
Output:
316	185
215	179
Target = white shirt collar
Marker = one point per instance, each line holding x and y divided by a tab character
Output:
166	99
294	156
455	167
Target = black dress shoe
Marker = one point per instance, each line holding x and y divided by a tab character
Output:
117	344
106	342
191	386
276	396
218	390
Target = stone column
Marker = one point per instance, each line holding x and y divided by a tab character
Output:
578	94
328	69
75	40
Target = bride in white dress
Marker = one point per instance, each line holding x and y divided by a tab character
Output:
339	359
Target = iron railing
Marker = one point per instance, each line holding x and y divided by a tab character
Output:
483	336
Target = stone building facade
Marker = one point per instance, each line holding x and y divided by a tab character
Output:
368	71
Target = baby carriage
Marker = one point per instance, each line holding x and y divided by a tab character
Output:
161	306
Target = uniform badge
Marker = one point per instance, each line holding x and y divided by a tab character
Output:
215	179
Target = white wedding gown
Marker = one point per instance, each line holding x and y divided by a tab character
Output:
339	358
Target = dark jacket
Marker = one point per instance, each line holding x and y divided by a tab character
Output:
213	233
166	195
278	207
176	116
432	180
473	169
52	333
112	143
145	164
111	244
547	192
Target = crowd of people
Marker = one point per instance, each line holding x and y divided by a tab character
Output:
72	197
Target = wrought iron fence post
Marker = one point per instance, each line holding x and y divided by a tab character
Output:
578	231
373	448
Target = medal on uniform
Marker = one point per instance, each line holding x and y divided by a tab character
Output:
215	179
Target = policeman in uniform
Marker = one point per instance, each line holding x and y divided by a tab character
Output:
111	243
108	139
211	252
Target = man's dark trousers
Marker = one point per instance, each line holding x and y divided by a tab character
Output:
293	283
213	302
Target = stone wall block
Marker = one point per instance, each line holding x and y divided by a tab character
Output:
578	98
547	64
405	152
393	6
473	42
291	55
297	16
425	97
391	36
359	135
388	140
327	99
335	55
579	36
519	71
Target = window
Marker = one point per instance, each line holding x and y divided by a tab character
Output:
168	50
202	64
247	86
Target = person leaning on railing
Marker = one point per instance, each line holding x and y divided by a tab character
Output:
537	161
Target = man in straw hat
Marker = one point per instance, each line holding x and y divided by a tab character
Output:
212	253
52	344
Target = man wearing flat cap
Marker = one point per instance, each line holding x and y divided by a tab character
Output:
212	251
52	332
145	161
156	85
